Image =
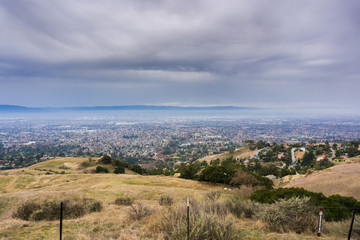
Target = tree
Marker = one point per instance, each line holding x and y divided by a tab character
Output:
215	162
106	159
100	169
308	158
216	174
119	170
243	178
352	151
189	171
137	169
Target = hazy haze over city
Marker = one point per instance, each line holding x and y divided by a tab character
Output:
270	54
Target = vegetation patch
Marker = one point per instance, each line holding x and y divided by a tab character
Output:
139	211
336	207
24	181
127	201
3	204
242	209
50	210
294	214
213	195
207	221
166	200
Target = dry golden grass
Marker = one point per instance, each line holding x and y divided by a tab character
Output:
238	153
17	186
342	179
342	161
299	155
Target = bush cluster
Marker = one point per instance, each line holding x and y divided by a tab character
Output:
100	169
50	210
294	214
208	220
138	211
213	195
127	201
336	207
166	200
242	209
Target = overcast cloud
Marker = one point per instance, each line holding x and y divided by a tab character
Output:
278	53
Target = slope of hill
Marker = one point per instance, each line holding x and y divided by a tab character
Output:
39	183
238	153
342	179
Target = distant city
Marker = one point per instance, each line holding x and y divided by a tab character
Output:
24	142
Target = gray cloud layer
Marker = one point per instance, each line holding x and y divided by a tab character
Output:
249	53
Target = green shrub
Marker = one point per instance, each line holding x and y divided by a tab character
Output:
138	211
106	159
85	164
119	170
124	201
50	210
166	200
189	170
100	169
294	214
336	207
216	174
213	195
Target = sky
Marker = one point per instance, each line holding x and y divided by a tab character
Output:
254	53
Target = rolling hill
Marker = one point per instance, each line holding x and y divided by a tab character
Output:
341	179
46	181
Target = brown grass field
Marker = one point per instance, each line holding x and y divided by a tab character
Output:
32	183
299	155
238	153
343	179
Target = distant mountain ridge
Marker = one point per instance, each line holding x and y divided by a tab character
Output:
15	108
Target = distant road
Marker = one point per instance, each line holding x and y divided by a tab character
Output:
256	154
332	154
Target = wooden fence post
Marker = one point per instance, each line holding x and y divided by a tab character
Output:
321	213
188	218
352	223
61	217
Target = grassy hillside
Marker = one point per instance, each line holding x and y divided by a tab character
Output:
242	152
39	183
66	165
342	179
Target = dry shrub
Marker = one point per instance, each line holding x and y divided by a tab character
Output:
243	209
294	214
25	211
127	201
166	200
243	178
213	195
139	211
244	192
356	230
50	210
207	221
